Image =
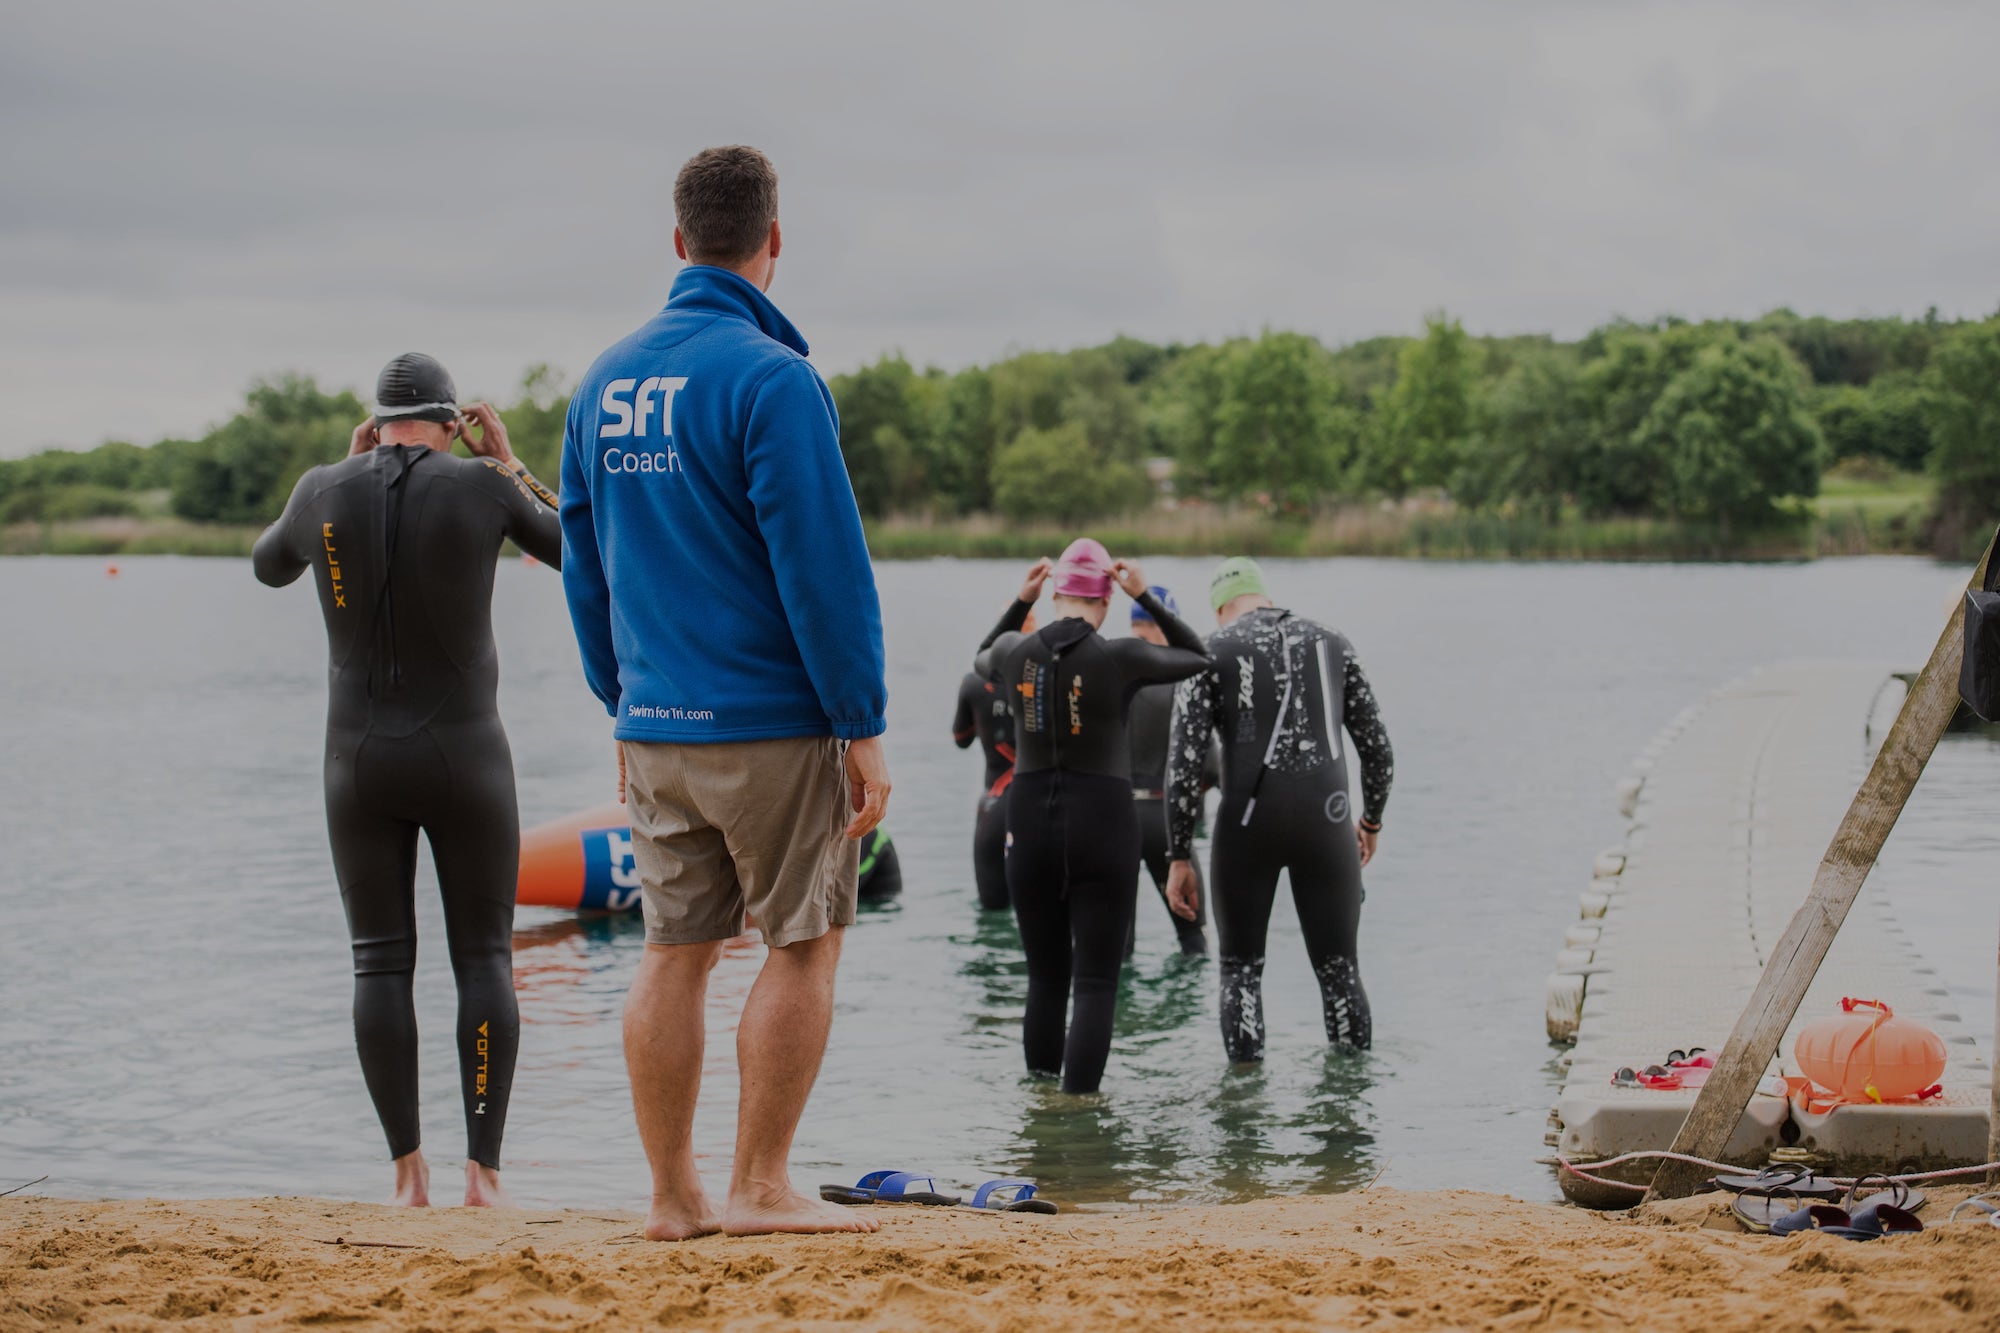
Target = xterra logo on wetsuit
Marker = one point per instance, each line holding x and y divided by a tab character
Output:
633	418
333	566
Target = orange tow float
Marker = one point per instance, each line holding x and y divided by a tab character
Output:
581	861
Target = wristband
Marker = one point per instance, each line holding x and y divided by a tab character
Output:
1371	826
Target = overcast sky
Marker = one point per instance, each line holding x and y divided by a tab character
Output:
196	194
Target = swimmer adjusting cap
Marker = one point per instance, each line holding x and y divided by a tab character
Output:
415	387
1235	577
1084	571
1139	612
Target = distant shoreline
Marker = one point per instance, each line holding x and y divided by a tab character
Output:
1835	528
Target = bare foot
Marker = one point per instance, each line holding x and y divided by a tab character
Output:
483	1188
791	1212
413	1182
681	1219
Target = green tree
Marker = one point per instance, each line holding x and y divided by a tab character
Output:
1735	435
243	471
535	421
1535	443
1425	421
1057	475
1625	471
1279	427
1884	419
883	435
1963	409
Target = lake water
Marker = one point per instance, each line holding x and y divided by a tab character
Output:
174	969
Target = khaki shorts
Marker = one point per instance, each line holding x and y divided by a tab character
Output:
756	826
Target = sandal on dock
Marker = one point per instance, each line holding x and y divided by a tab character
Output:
1010	1196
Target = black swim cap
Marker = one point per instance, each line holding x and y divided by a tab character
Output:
415	387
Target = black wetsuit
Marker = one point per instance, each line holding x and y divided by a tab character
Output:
402	542
1072	839
1281	690
880	870
983	716
1150	722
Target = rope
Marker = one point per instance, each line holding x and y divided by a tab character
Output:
1583	1170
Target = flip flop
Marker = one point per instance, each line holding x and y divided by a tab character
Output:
889	1187
1783	1177
1983	1202
1883	1219
1896	1194
1010	1196
1758	1211
1814	1217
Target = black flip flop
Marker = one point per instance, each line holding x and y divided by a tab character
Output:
1895	1193
1781	1178
1756	1212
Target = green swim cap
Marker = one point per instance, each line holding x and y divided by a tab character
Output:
1233	578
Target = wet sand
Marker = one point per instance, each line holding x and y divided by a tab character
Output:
1364	1259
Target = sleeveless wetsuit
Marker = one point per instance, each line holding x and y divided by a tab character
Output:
402	543
1281	690
982	716
1150	721
1072	839
880	876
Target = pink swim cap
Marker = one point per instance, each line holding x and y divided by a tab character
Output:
1084	571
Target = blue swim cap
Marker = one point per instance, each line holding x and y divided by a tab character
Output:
1166	600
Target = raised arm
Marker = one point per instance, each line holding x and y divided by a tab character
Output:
531	519
1003	637
584	585
806	513
1197	713
1371	740
1183	655
277	559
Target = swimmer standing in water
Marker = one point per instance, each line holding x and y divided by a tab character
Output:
402	539
1072	838
1281	691
983	716
1151	722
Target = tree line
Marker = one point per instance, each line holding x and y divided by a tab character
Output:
1729	424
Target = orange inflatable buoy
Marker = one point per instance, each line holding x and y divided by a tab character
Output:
1867	1054
582	861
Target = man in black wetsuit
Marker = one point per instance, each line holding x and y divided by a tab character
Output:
1072	839
1150	722
1280	693
402	538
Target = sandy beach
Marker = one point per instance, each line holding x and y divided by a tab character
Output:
1365	1259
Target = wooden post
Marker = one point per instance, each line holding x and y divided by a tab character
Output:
1993	1114
1928	710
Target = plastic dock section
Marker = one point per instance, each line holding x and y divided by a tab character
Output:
1731	807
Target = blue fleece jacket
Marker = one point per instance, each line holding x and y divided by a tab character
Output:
712	552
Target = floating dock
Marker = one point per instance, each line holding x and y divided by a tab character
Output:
1732	807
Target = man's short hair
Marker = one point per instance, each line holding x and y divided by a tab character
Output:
725	200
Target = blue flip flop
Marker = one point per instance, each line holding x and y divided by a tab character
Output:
889	1187
1010	1196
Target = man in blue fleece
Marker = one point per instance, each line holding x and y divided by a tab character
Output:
727	614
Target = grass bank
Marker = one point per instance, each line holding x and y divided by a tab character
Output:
127	536
1852	516
1439	533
